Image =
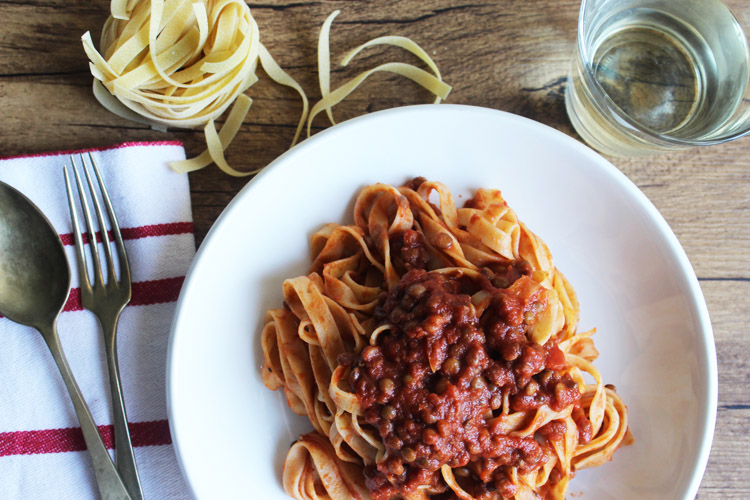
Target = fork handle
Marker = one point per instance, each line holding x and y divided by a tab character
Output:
108	480
125	457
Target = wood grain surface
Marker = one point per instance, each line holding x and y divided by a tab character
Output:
511	55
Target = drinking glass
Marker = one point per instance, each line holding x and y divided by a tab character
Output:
650	76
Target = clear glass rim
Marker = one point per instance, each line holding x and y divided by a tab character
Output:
608	108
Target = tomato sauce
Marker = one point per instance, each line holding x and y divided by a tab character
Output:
434	381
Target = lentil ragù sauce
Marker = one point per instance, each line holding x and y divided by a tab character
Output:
435	380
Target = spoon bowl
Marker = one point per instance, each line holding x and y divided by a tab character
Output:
34	286
34	273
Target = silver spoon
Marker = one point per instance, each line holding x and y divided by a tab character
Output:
34	285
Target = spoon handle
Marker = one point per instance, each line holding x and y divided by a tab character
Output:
108	480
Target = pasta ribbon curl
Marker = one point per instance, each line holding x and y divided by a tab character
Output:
312	472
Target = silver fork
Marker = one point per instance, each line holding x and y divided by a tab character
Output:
106	300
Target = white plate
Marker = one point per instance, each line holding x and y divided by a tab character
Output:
634	283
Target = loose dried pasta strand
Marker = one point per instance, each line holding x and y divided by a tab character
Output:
324	61
404	43
219	142
434	84
279	76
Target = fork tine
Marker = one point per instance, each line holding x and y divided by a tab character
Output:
89	225
102	226
119	244
83	275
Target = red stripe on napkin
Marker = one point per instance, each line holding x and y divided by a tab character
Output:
153	433
145	293
94	150
134	233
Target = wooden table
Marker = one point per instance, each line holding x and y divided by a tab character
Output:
511	55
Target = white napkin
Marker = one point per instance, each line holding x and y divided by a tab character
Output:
42	454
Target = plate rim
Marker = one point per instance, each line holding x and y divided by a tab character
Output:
696	299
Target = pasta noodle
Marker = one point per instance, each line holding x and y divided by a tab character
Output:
435	351
329	99
183	63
